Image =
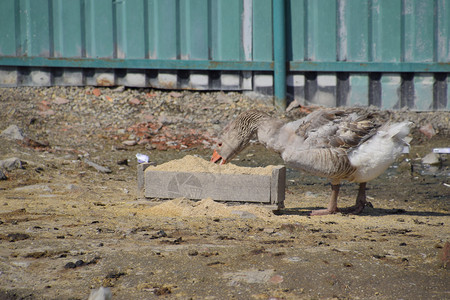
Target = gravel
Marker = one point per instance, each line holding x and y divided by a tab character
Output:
115	110
161	119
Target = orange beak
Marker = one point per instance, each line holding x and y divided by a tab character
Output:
216	156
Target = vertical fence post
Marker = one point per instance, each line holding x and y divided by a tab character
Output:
279	53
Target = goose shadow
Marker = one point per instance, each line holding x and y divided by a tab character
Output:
368	211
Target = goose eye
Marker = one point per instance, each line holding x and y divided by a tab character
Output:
219	144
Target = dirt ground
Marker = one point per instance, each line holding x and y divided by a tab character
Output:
66	228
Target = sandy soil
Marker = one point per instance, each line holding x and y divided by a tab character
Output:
66	228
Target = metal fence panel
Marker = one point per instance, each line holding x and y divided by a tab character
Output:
388	53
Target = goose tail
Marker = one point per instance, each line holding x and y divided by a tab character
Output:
375	155
399	130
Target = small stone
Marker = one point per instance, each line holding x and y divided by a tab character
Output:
123	162
10	164
60	100
159	234
70	265
129	142
176	94
44	105
224	99
46	113
310	194
72	187
428	130
348	265
13	132
431	159
193	253
79	263
3	175
134	101
276	279
21	264
96	92
119	89
243	214
164	290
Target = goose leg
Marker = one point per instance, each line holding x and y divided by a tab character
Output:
360	201
332	206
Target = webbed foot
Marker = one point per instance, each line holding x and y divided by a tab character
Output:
323	212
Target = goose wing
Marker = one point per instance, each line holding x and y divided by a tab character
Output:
343	129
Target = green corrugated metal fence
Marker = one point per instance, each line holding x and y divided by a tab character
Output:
388	53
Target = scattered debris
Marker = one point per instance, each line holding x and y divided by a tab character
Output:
163	290
14	237
163	137
34	188
99	168
215	263
115	274
81	263
94	125
36	145
46	253
441	150
142	158
249	276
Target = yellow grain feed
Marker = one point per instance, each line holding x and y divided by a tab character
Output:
194	164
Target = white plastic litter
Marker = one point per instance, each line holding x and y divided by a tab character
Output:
441	150
101	294
142	158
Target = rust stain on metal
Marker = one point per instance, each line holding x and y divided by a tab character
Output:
104	82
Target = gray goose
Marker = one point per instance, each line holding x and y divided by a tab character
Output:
336	144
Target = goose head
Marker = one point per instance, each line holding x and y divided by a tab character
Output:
236	136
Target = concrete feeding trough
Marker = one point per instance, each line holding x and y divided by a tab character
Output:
195	178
